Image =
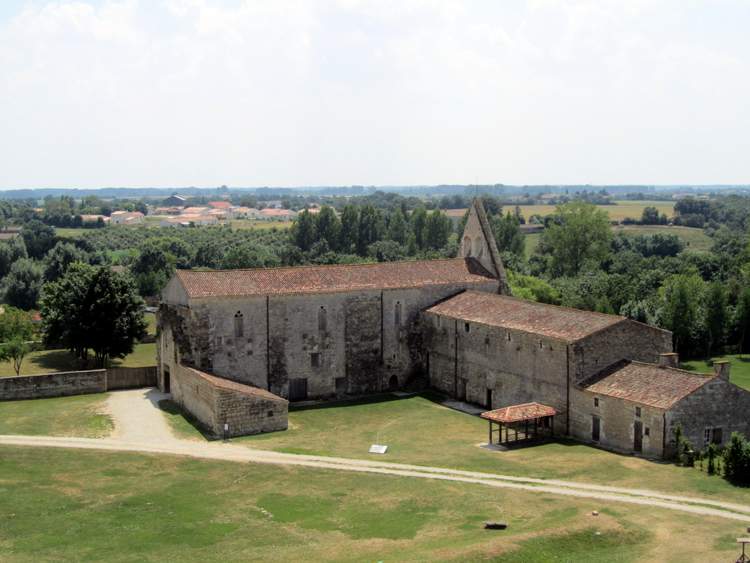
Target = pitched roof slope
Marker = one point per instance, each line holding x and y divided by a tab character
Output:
503	311
331	279
648	384
517	413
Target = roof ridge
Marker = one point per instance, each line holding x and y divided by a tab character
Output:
309	266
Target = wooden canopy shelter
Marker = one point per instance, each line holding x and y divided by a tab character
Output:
522	423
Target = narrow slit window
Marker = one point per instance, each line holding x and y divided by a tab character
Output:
239	325
397	314
322	320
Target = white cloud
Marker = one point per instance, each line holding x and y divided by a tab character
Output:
243	92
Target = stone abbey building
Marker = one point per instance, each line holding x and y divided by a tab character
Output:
235	346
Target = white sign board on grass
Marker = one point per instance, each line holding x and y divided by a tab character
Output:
378	449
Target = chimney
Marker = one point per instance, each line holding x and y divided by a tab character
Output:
669	360
721	369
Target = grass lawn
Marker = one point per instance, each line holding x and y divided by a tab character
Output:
739	374
420	431
80	505
694	239
622	209
79	416
46	361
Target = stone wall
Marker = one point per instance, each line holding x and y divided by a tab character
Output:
616	423
131	378
53	384
717	404
468	360
215	401
331	344
627	340
60	384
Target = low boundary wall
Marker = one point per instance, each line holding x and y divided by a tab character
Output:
64	383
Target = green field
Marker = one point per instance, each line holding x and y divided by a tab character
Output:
694	239
740	371
420	431
619	211
81	416
101	506
46	361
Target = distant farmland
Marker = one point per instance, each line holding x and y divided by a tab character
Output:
618	212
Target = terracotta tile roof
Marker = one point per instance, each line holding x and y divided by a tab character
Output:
517	413
503	311
648	384
236	387
331	279
219	204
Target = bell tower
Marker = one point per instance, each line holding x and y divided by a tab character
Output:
478	242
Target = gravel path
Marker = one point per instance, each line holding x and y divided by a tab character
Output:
141	427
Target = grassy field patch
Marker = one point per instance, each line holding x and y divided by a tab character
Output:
81	416
106	506
47	361
740	370
419	431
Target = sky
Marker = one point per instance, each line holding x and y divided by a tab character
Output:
385	92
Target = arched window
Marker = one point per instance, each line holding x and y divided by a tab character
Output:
397	314
239	325
322	319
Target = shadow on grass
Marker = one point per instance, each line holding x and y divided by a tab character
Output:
368	400
59	360
171	408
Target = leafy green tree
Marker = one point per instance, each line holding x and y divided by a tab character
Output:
152	269
386	251
303	230
370	228
16	333
579	236
650	216
62	255
533	289
9	253
397	227
418	222
349	229
681	297
742	321
437	229
22	284
94	309
508	235
716	317
328	227
38	237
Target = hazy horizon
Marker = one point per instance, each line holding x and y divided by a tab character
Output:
182	93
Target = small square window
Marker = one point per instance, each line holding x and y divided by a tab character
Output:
466	327
596	401
647	431
315	359
638	412
270	414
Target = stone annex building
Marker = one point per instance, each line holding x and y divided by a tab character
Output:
235	346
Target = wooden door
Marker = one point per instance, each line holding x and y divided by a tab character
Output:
461	391
595	428
298	389
638	436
